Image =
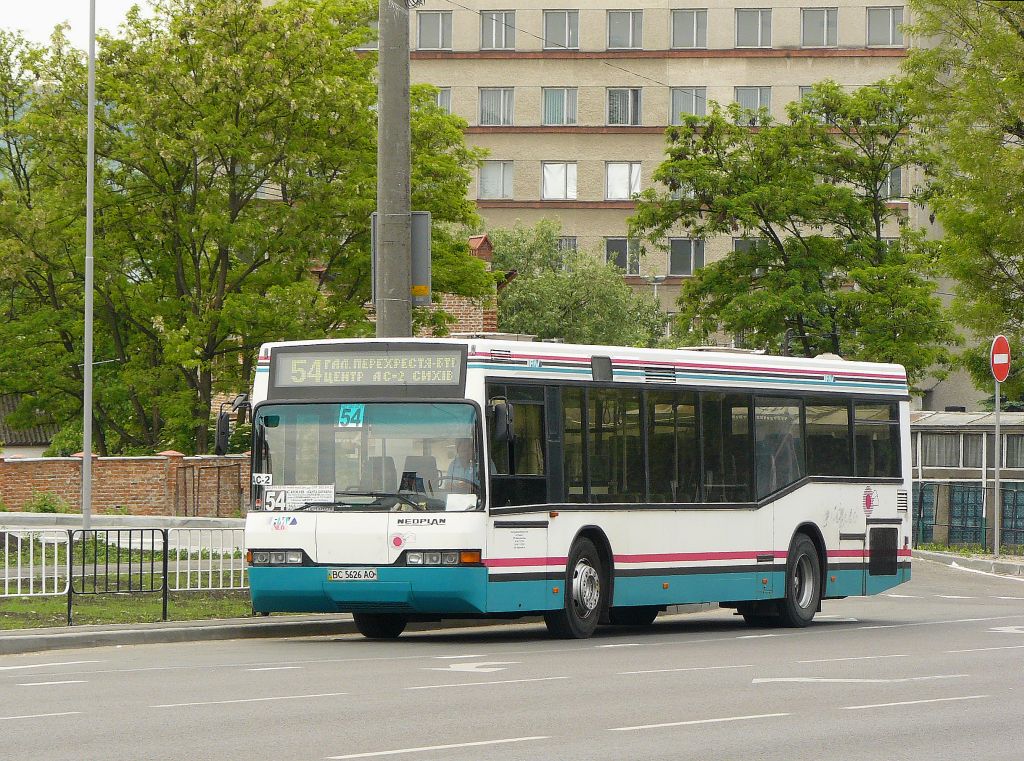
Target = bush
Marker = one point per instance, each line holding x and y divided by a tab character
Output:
46	502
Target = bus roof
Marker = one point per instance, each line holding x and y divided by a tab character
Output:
539	359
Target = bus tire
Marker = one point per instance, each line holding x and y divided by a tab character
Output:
584	599
803	584
639	616
380	625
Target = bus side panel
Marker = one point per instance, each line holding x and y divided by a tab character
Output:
518	565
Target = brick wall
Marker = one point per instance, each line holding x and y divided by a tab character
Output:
167	484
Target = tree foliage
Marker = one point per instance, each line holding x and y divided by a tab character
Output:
568	295
236	174
810	193
969	86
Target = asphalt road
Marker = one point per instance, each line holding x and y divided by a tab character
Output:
934	670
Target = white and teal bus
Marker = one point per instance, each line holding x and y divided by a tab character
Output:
421	479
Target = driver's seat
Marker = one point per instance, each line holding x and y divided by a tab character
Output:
380	475
421	468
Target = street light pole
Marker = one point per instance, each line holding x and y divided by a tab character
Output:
394	166
90	178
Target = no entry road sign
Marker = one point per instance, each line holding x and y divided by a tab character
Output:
999	358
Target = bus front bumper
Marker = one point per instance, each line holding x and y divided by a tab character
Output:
308	589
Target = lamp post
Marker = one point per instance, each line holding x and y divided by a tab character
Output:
90	178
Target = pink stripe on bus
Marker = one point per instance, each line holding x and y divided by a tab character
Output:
520	562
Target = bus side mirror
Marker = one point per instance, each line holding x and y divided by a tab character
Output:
223	433
500	412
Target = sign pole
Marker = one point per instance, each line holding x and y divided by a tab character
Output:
90	179
999	362
999	460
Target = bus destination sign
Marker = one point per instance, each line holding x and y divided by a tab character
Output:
433	367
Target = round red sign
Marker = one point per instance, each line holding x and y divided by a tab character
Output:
999	358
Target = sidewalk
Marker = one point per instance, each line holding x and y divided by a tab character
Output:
1005	565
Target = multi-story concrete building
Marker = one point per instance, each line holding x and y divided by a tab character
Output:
571	99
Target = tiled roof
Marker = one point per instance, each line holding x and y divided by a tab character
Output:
38	435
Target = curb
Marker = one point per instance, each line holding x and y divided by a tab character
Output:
999	567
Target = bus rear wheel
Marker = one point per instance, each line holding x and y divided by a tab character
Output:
585	594
803	584
380	625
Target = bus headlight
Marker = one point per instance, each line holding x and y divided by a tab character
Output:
449	558
260	558
414	558
431	558
293	557
443	557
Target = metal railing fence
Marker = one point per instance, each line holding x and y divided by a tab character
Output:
207	559
34	562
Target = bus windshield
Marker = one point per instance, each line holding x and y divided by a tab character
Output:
374	457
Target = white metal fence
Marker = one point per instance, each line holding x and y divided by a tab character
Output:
34	562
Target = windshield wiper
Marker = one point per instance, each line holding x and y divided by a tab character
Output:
377	494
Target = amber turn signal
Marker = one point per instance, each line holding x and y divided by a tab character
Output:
469	556
248	557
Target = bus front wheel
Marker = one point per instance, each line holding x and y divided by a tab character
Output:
584	596
380	625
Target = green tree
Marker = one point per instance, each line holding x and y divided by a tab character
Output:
968	86
236	176
810	194
568	295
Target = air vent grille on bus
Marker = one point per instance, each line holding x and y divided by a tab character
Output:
660	374
501	355
902	501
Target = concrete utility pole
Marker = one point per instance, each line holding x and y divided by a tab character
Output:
90	179
394	166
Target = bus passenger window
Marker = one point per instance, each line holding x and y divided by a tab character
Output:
572	444
725	421
778	445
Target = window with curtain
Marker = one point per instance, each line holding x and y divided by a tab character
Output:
752	99
497	30
559	105
623	180
559	180
444	99
624	106
884	27
940	450
688	101
1014	450
973	442
496	105
496	179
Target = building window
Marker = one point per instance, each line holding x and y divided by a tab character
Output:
559	105
497	30
805	90
373	42
940	450
496	179
625	29
685	256
884	27
754	28
567	243
624	253
444	99
496	105
623	180
624	105
435	30
752	99
562	30
559	181
892	186
819	27
688	101
690	29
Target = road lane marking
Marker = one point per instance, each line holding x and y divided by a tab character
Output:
276	668
691	668
912	702
757	636
484	667
905	597
698	721
831	680
938	623
41	684
429	748
45	665
1002	597
251	700
455	657
485	684
955	597
854	658
983	649
622	644
39	715
985	573
1007	629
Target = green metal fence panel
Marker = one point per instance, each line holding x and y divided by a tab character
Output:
966	514
1012	523
924	512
